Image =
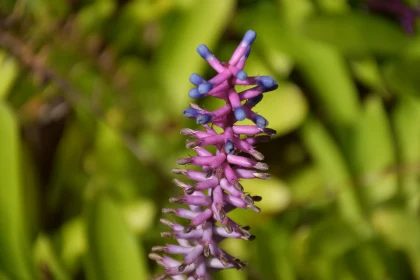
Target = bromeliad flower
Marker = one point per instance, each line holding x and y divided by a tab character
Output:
406	15
215	190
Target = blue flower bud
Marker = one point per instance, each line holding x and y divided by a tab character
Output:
203	51
266	82
205	87
191	113
241	75
248	51
229	147
240	114
260	121
196	79
203	119
249	37
254	100
194	93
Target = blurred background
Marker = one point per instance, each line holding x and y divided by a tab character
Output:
91	100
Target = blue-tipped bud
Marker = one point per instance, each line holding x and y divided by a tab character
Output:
254	100
267	83
249	37
241	75
248	51
196	79
194	93
260	121
240	114
191	113
203	119
229	147
205	87
203	51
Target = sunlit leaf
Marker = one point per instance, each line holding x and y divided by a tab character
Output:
114	253
373	152
14	257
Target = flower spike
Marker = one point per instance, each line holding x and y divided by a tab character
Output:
215	190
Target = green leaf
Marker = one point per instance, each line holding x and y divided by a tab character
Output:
321	65
274	253
114	253
327	243
45	256
331	238
373	152
72	240
306	185
403	76
335	172
406	120
92	17
14	258
368	72
3	276
8	74
401	230
371	261
177	58
364	34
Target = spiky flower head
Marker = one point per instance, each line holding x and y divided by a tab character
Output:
215	190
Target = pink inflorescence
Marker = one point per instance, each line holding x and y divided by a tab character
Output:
215	189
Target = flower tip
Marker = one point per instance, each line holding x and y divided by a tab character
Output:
187	131
270	131
189	144
204	119
196	79
168	211
182	267
260	121
179	171
229	147
255	100
267	83
240	114
190	113
188	229
255	208
249	37
261	166
175	200
183	161
166	234
166	222
204	51
238	186
248	51
242	75
195	93
158	248
257	155
161	277
263	176
154	257
189	190
205	87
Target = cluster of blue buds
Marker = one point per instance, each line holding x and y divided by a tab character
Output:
215	190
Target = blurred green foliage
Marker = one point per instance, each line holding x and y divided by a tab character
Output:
91	96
